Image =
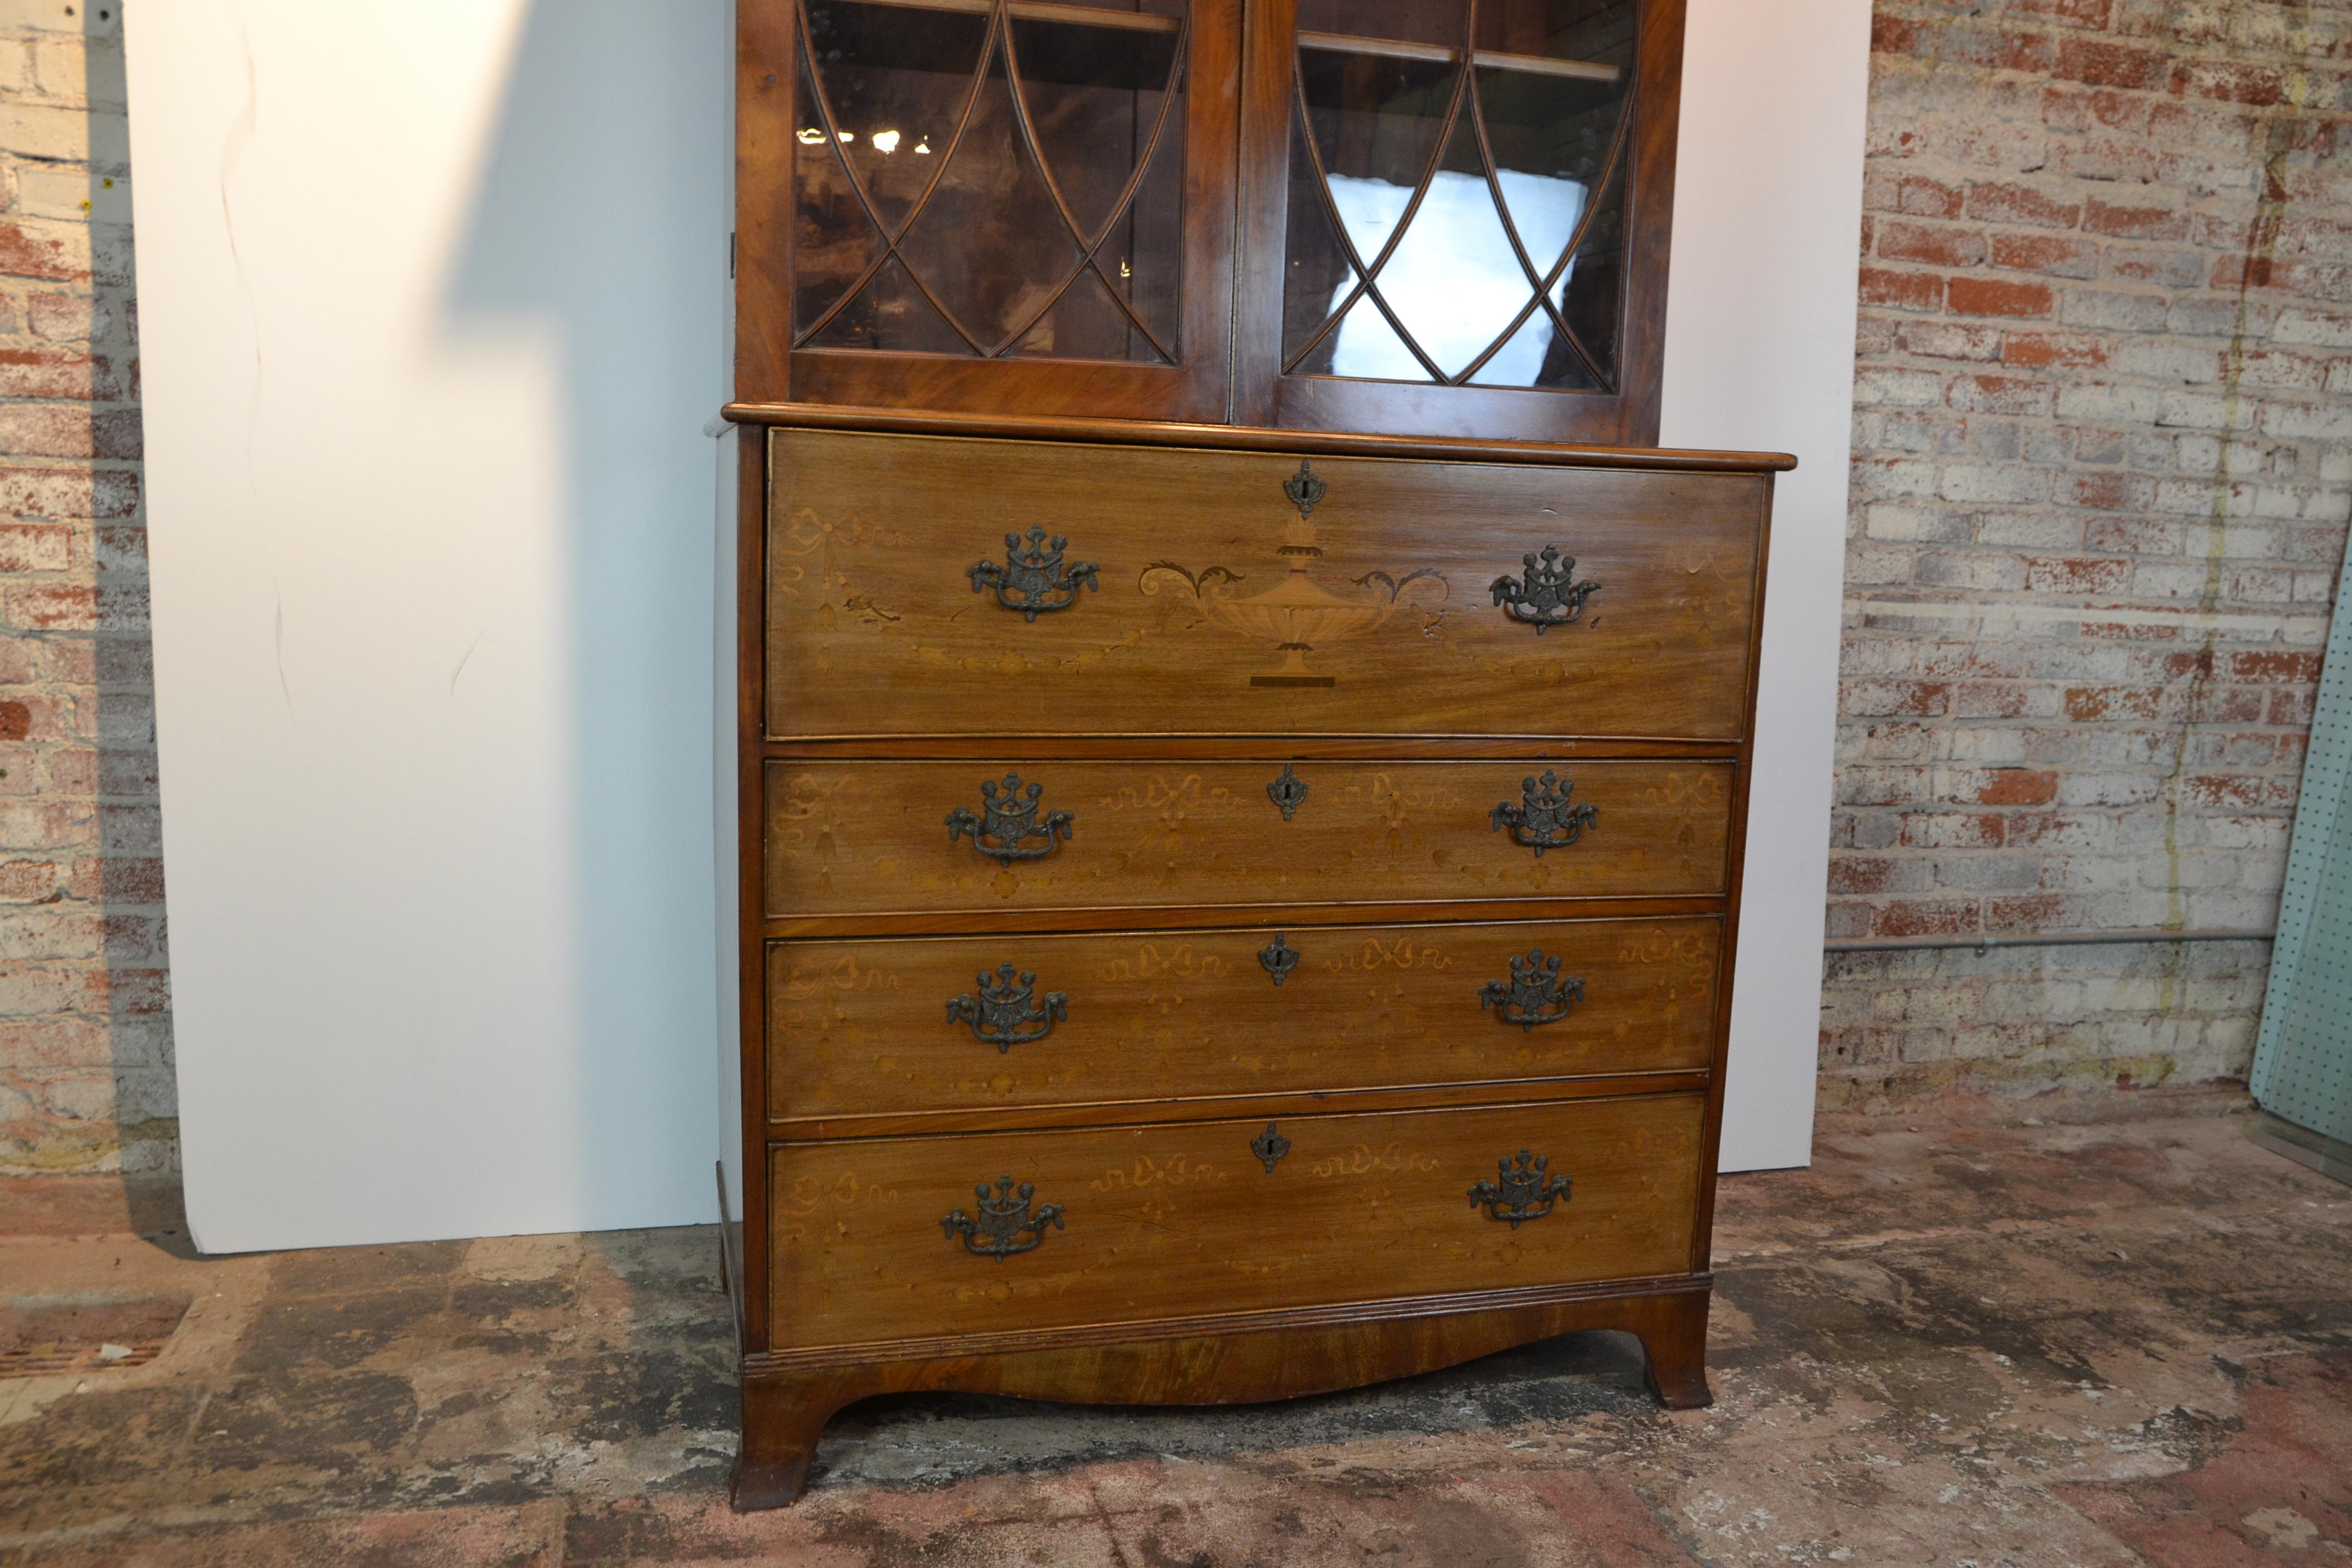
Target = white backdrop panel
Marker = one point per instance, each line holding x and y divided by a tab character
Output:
1760	354
432	300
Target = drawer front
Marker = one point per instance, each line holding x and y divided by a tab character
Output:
942	1023
1210	605
886	1238
870	837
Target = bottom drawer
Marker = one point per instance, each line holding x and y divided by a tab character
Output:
886	1238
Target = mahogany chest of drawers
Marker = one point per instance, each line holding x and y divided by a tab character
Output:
1227	913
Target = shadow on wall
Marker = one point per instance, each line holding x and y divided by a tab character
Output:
600	215
136	1000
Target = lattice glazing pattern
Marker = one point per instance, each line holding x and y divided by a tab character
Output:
989	178
1457	190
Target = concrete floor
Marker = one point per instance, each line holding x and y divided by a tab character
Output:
2055	1338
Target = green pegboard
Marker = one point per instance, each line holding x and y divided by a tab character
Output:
2303	1058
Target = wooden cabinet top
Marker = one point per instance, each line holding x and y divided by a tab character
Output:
1423	217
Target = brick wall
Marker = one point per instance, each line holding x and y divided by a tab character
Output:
2103	452
85	1048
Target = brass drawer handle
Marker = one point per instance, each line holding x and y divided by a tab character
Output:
1032	580
1003	1014
1005	1217
1278	958
1534	994
1520	1191
1550	596
1008	821
1543	819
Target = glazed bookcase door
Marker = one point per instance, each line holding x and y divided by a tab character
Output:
1455	215
987	206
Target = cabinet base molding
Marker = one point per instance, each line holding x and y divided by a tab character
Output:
1240	1358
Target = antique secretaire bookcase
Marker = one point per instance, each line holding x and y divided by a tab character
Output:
1243	740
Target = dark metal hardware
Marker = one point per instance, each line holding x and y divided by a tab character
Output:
1551	596
1279	958
1033	579
1005	1217
1269	1146
1543	819
1520	1191
1535	993
1288	792
1009	820
1305	490
1002	1015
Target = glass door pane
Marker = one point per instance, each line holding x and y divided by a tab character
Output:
1458	192
991	179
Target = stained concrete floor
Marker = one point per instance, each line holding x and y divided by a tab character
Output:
1962	1338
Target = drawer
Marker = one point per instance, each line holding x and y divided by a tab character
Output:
939	1024
1210	605
868	837
1170	1221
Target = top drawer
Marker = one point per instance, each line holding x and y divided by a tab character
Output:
1194	593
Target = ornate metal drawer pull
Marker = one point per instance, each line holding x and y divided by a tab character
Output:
1033	579
1550	596
1002	1015
1520	1191
1005	1217
1535	993
1288	792
1543	819
1279	958
1008	821
1269	1146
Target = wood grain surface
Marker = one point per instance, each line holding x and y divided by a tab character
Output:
1204	571
866	838
1178	1218
864	1028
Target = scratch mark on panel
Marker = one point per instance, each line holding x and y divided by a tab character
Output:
462	659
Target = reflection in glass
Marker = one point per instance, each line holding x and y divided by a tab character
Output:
990	181
1398	161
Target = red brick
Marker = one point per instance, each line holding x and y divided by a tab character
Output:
2230	81
69	492
2135	223
2061	256
2089	704
2091	14
2106	492
24	254
2018	786
1999	203
1995	297
1931	243
54	608
15	720
2274	664
2068	349
1924	917
1914	195
2076	575
2104	64
53	372
1893	36
1858	874
1902	291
